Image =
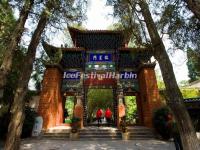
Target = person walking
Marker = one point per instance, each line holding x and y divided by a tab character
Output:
108	115
99	114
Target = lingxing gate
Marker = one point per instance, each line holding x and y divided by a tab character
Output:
100	59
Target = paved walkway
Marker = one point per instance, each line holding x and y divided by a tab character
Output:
47	144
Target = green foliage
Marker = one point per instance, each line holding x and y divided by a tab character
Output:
190	92
193	64
13	77
69	121
126	13
75	119
75	124
7	24
69	105
131	109
186	92
178	23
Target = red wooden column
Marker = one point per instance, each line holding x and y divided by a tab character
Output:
139	109
50	104
149	93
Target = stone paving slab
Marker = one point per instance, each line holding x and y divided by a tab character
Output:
48	144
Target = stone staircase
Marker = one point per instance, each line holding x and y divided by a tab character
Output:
60	132
101	133
141	133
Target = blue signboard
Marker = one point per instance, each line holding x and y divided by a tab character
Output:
128	75
76	75
97	57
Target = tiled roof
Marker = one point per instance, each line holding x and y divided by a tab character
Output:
98	39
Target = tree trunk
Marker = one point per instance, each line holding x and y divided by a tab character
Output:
16	36
17	109
194	6
175	102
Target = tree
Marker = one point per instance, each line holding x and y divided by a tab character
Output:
51	8
14	41
175	101
131	109
193	65
7	25
17	109
182	28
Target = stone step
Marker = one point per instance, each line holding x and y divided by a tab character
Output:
99	139
56	134
94	131
102	133
99	136
58	131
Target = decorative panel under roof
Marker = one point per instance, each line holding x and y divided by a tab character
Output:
72	59
97	39
132	59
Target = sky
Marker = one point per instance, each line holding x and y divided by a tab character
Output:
98	18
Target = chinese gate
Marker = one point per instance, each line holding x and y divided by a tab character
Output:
99	59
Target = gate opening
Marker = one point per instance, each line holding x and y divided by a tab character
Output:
99	98
131	110
68	108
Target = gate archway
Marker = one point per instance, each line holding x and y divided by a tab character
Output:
99	58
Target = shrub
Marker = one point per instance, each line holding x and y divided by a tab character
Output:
123	124
75	119
162	122
68	121
75	124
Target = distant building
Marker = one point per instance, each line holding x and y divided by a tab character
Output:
194	84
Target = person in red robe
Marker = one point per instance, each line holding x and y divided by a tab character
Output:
108	115
99	114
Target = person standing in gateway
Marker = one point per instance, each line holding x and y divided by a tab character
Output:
108	115
99	114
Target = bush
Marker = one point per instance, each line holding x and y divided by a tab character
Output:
68	121
162	122
123	124
75	119
75	124
30	115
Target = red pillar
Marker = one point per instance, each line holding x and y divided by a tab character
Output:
149	93
139	110
50	104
